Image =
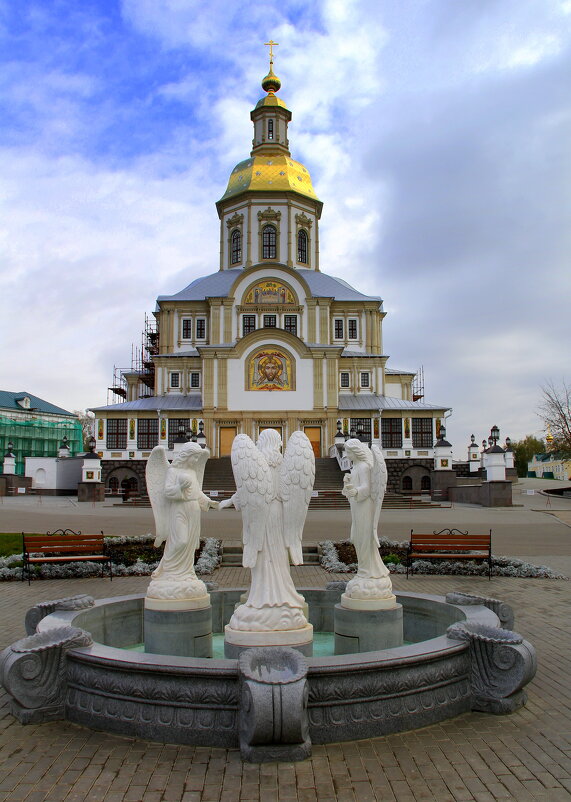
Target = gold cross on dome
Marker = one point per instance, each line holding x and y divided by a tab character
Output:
271	44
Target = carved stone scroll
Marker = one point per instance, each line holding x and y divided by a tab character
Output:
500	608
40	610
273	720
502	662
33	671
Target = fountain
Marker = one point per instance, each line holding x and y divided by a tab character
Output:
401	661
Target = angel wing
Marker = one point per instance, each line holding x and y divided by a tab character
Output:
378	484
297	474
156	471
254	491
200	465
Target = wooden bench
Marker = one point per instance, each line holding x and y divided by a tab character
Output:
449	544
63	545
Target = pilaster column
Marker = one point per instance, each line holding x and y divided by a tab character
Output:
208	381
215	321
311	333
332	380
222	382
318	381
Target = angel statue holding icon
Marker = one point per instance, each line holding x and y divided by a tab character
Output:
365	487
177	500
273	494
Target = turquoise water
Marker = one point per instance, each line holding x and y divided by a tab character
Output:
323	645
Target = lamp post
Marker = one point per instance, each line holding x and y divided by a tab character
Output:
201	437
339	438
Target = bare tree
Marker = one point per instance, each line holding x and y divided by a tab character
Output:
555	412
87	420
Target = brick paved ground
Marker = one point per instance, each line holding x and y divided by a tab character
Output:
525	756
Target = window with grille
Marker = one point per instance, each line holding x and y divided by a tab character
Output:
175	379
269	242
177	426
365	379
338	328
194	380
422	436
345	380
236	248
187	329
248	324
391	432
362	427
269	321
147	433
302	246
352	329
200	328
117	433
290	323
270	129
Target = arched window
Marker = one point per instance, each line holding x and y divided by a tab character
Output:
236	248
407	484
425	483
269	242
302	246
270	129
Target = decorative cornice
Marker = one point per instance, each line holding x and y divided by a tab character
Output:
235	220
303	220
269	214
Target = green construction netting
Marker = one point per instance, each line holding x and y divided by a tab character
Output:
38	438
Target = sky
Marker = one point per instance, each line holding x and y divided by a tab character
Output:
437	134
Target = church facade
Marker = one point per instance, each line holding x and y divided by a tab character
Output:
269	339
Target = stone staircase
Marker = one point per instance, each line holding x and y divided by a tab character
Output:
219	482
232	555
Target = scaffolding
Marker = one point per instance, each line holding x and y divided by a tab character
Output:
418	385
142	365
38	438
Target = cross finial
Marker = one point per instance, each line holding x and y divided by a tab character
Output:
271	44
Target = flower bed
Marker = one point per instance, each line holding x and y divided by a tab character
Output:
340	558
130	556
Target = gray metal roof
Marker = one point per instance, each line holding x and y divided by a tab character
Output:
348	401
163	402
217	285
9	400
395	372
358	354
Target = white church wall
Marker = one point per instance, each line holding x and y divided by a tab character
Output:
241	399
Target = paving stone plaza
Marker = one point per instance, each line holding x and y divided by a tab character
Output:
524	756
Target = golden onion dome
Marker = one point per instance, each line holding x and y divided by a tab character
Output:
270	173
271	83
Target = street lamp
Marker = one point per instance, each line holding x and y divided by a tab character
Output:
201	437
92	443
494	435
339	437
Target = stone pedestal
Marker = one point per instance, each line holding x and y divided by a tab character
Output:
367	630
178	627
237	640
90	491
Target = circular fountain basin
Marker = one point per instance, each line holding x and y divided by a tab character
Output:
196	700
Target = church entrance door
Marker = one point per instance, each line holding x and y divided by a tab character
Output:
225	439
314	436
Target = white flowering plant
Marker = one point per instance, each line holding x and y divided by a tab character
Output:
130	556
501	566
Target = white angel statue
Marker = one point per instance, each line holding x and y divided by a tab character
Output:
365	487
273	494
177	499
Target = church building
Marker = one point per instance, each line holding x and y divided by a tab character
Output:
269	339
